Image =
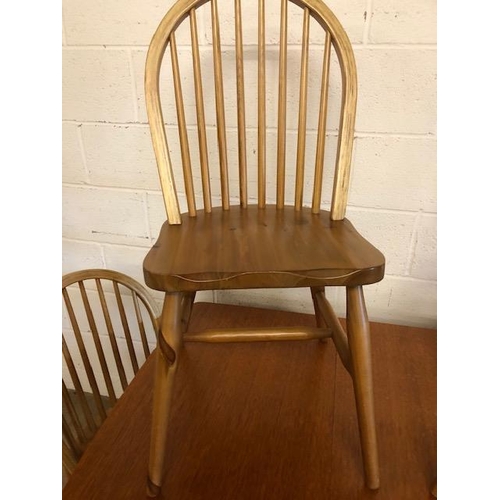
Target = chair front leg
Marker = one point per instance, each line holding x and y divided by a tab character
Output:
167	361
358	332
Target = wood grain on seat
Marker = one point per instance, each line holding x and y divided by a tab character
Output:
258	248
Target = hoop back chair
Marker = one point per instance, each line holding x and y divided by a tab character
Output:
111	320
247	242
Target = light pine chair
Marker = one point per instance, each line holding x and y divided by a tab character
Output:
245	244
101	354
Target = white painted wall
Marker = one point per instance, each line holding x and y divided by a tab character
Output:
112	204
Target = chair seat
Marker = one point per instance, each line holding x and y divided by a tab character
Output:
260	248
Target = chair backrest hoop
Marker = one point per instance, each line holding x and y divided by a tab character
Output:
339	39
108	274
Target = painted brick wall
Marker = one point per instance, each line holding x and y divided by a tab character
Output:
112	204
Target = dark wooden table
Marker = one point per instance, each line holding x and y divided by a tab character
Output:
272	420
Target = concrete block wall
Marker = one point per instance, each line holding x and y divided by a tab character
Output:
112	204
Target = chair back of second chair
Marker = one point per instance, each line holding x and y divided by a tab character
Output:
109	325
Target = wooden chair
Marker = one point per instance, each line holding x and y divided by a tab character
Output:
96	303
245	245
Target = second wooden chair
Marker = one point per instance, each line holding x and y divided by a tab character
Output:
111	320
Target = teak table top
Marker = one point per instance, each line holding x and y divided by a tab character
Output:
272	420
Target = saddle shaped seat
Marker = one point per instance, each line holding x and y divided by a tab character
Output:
260	248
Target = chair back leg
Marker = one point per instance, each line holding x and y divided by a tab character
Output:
320	322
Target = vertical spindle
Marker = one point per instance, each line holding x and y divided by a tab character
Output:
240	95
261	105
320	145
181	122
280	189
301	135
200	114
219	106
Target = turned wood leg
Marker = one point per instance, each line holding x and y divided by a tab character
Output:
167	360
319	318
358	332
320	322
187	307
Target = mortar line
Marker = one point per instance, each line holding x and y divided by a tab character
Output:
134	88
82	152
146	215
201	23
104	46
428	135
368	21
395	46
123	189
102	244
356	45
401	211
236	199
412	247
409	278
64	36
310	131
269	47
107	123
103	256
